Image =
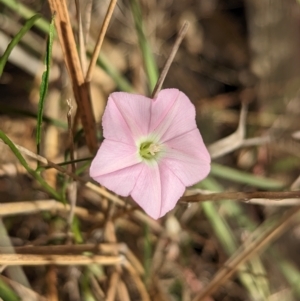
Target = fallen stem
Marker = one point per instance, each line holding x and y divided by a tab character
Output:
35	260
170	59
244	196
100	39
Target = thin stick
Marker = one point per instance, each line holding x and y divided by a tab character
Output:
72	61
30	207
170	59
244	196
82	50
87	20
99	249
112	287
35	260
138	282
70	135
100	39
72	188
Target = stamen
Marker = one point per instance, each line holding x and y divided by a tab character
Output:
154	148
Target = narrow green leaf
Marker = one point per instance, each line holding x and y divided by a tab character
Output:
33	173
4	58
244	177
26	13
149	62
44	84
6	293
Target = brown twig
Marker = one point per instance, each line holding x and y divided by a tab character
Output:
87	19
138	282
29	207
170	59
72	187
82	49
112	287
244	196
51	281
80	88
100	39
35	260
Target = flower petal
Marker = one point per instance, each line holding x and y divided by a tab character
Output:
172	189
126	117
147	191
121	181
113	156
114	124
173	114
187	157
161	106
157	190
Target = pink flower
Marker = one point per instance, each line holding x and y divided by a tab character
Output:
152	149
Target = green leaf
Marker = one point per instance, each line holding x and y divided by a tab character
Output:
44	85
6	293
149	62
26	13
4	58
245	178
33	173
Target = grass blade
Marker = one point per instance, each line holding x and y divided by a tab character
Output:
28	24
149	62
245	178
26	13
44	85
6	293
33	173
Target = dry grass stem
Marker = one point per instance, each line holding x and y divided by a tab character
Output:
72	187
65	260
82	49
122	291
112	288
51	280
243	196
233	141
87	19
138	282
99	41
30	207
170	59
279	203
104	248
80	89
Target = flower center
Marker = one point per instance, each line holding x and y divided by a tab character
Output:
149	150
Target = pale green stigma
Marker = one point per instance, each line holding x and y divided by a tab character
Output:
149	150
